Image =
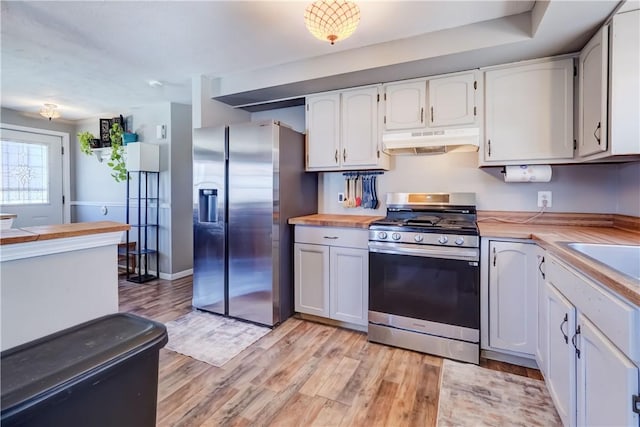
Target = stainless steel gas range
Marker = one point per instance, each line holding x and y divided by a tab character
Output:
424	279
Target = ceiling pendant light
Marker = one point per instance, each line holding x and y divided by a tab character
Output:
49	111
332	20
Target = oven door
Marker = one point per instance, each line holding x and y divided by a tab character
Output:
435	284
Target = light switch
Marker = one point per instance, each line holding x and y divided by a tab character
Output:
161	132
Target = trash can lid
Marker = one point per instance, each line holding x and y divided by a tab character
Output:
37	368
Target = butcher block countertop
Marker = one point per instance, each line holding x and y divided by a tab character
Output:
58	231
326	220
554	238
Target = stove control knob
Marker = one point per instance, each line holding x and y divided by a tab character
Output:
382	235
395	236
418	238
459	241
443	239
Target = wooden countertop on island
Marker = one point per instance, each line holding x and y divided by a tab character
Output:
329	220
554	238
59	231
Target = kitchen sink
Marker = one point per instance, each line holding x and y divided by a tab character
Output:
623	258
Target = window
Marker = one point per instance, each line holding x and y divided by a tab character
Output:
24	167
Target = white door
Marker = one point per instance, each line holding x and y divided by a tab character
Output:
513	304
323	131
349	287
311	281
31	169
606	380
561	358
592	122
360	127
452	100
404	105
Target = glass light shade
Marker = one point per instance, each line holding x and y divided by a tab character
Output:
49	111
332	20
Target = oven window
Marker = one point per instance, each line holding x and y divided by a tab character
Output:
433	289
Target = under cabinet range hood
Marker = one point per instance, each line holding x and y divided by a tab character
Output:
431	141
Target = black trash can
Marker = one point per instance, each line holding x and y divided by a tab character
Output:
100	373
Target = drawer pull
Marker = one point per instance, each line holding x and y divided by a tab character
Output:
566	337
331	237
573	341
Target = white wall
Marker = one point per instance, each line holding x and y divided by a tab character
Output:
628	190
597	188
207	112
291	116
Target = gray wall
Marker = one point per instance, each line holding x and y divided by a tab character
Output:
181	183
598	188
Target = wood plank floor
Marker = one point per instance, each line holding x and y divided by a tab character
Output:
300	374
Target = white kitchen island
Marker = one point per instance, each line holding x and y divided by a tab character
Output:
53	277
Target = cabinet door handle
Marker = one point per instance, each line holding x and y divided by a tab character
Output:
431	114
336	156
344	155
566	320
573	341
422	115
594	133
540	268
494	257
489	144
331	237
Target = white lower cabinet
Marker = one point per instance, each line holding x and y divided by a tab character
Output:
606	380
560	317
311	282
592	351
512	297
541	345
331	267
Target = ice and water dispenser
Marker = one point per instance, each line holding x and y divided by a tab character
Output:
208	205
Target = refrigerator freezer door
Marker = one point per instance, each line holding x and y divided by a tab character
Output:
209	222
252	148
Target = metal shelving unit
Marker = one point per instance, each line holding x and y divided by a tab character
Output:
146	226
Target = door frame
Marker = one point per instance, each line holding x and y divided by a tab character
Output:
66	169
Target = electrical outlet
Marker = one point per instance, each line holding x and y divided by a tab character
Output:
340	197
544	196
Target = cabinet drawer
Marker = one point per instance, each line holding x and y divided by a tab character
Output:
333	236
617	319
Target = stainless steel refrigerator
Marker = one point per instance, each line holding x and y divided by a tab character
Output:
248	180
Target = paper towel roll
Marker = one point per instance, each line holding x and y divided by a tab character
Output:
528	173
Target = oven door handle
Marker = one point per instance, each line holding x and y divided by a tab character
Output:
463	254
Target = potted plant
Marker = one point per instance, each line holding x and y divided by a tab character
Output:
117	161
87	142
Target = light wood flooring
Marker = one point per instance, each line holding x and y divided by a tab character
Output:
300	374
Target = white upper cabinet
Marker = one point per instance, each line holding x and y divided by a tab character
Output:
529	113
343	131
592	118
609	91
360	137
405	105
452	100
323	131
448	100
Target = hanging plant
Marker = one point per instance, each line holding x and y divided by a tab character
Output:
86	139
117	160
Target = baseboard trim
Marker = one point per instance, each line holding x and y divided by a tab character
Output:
514	360
178	275
331	322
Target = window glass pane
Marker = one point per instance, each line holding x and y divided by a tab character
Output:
25	173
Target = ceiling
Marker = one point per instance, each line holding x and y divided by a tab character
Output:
97	57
